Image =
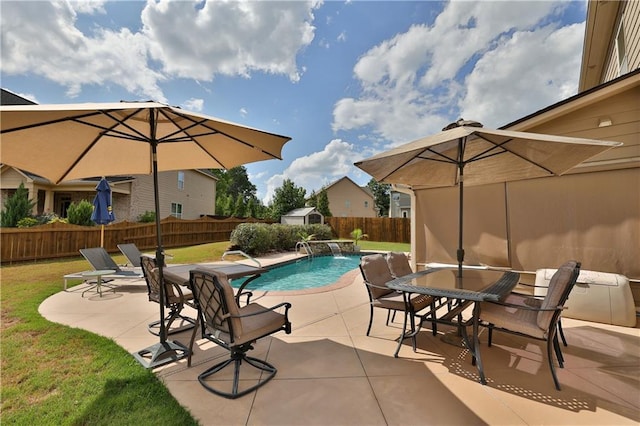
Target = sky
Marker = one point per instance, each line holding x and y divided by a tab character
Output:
344	79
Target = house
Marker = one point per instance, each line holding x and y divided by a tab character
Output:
348	199
303	216
592	213
185	194
399	203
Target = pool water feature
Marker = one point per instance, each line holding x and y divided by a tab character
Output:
303	274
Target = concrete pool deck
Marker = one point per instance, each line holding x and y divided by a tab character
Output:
331	373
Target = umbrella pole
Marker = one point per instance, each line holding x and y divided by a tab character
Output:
460	252
166	351
101	235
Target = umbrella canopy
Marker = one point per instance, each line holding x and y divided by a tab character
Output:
102	210
114	139
70	141
470	155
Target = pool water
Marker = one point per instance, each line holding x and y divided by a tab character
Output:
303	274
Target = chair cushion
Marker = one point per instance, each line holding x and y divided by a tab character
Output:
398	264
558	285
394	300
375	271
514	319
256	326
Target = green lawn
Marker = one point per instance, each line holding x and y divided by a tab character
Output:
54	374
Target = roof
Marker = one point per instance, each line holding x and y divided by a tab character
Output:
10	98
363	188
301	212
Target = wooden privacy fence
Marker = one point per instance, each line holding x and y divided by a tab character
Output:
387	229
59	240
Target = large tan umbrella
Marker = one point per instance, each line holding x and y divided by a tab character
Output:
472	155
71	141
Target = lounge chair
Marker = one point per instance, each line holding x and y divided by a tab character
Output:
526	316
100	260
131	252
376	274
236	329
174	299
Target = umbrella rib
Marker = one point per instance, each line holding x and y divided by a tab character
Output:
505	149
46	123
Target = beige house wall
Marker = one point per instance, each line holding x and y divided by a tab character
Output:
347	199
198	197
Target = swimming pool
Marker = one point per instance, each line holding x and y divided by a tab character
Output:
303	274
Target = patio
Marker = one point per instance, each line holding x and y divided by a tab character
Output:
330	373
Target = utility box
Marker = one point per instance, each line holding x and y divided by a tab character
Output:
597	296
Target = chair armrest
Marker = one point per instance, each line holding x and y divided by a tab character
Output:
528	308
244	293
286	305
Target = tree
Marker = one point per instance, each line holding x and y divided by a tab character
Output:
16	207
312	201
323	204
231	184
287	198
80	213
239	208
381	193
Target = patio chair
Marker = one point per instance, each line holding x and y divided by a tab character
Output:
398	264
236	329
131	252
531	318
376	274
100	260
174	299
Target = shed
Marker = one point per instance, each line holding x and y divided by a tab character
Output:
303	216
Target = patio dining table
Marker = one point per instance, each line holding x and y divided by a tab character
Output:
180	274
475	285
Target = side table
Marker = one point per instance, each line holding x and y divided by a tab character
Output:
98	274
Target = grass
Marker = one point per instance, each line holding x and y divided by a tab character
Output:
55	374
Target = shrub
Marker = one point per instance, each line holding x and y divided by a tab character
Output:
28	222
147	217
80	213
16	207
253	238
260	238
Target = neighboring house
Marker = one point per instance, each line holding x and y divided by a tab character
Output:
592	213
184	194
347	199
303	216
399	204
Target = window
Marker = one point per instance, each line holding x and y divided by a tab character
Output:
180	180
366	204
622	54
347	204
176	210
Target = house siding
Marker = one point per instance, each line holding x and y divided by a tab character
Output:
630	18
347	199
197	197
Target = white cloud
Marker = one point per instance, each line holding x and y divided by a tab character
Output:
194	40
317	169
230	38
194	104
518	59
243	112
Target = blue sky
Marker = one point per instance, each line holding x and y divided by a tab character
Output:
345	80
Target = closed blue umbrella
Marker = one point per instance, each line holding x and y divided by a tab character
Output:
102	210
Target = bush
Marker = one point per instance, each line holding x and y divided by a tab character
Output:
28	222
260	238
16	207
147	217
80	213
253	238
